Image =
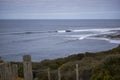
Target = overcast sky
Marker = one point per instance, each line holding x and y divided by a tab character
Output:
59	9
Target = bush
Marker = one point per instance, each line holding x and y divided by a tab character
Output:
109	69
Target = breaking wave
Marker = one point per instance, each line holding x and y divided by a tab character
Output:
95	35
78	36
64	31
19	33
86	30
107	39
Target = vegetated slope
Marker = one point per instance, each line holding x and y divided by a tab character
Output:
92	66
108	69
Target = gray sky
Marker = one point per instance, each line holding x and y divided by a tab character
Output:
59	9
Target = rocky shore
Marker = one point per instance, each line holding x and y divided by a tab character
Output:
114	35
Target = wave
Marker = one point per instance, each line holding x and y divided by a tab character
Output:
98	32
81	37
84	36
91	30
27	40
78	37
106	39
64	31
19	33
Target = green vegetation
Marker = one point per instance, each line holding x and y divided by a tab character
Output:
20	68
1	60
109	69
103	65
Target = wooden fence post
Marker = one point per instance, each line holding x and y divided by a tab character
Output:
59	74
27	67
77	72
2	71
48	73
14	71
8	71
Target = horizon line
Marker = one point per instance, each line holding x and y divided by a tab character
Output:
62	19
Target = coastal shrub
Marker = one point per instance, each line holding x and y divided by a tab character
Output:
20	68
109	69
1	60
90	66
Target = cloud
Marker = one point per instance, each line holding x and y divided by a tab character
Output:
55	7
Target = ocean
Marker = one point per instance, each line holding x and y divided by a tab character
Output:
50	39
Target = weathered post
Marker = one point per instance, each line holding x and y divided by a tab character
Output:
1	77
8	71
81	75
14	71
2	71
77	72
27	67
48	73
59	74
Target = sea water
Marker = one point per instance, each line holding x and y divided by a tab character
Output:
50	39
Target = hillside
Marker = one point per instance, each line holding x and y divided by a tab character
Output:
92	66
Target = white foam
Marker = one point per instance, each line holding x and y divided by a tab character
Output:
96	30
69	30
106	39
84	36
91	36
78	37
91	30
115	41
61	31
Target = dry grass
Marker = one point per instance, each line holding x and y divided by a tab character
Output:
19	78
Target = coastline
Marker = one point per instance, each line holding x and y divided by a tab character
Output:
89	63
